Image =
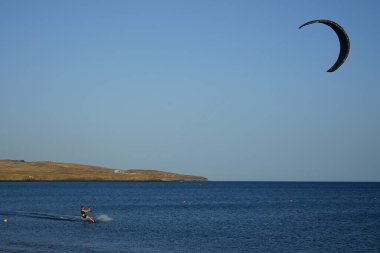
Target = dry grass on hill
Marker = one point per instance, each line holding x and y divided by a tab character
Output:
19	170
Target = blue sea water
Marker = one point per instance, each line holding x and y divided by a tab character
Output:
191	217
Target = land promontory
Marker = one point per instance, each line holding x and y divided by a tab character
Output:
20	170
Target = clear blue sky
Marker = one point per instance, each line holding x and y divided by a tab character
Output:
230	90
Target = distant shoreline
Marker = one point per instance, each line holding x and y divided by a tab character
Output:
47	171
105	181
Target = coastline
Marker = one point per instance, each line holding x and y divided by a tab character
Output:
47	171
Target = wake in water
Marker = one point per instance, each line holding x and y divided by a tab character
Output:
37	215
103	218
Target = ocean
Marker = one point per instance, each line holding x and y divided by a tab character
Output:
190	217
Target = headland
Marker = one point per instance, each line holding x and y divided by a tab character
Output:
45	171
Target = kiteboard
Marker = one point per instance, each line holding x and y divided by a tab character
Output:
88	221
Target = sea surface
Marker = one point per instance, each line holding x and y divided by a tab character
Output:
190	217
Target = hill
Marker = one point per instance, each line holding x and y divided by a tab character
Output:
20	170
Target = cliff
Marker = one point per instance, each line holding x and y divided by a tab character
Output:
20	170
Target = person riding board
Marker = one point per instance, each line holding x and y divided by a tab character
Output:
84	212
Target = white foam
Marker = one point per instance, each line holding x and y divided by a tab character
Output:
103	218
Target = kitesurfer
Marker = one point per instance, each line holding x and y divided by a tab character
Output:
84	212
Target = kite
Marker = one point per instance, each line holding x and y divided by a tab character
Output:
343	39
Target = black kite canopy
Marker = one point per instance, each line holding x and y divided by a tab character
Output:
343	39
